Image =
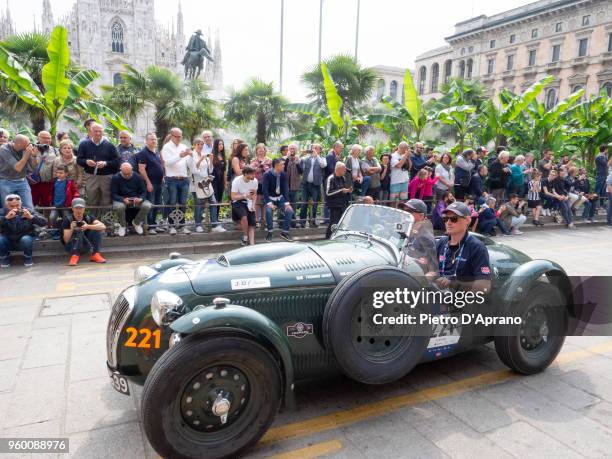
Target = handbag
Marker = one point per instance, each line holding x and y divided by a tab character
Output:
204	188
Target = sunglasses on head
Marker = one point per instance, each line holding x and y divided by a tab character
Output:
453	219
13	199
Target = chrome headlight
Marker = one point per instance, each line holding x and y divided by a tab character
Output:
162	303
143	273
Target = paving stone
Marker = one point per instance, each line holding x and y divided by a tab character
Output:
88	357
75	304
525	441
478	413
94	403
450	434
8	374
38	396
51	322
592	382
47	346
46	429
90	322
122	441
14	340
5	400
21	312
560	391
601	413
265	451
389	436
568	426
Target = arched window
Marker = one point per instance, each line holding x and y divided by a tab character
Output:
448	68
607	86
393	90
380	91
117	79
470	65
551	98
117	37
576	88
462	69
422	79
435	75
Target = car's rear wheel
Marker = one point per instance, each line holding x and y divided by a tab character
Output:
210	398
532	346
367	353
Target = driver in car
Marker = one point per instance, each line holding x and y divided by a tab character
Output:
421	245
463	259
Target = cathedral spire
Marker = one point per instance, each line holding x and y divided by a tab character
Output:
179	21
47	17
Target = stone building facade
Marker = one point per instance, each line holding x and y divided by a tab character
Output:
390	83
569	39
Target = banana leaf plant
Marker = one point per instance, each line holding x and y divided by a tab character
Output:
458	117
538	128
404	119
594	114
493	122
58	93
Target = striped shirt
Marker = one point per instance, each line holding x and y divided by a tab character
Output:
535	186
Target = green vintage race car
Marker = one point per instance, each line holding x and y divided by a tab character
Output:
220	343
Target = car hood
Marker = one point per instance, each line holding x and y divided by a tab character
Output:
282	265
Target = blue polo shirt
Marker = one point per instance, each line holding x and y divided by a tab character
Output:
153	165
469	260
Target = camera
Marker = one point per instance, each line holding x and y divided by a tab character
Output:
19	212
42	147
131	202
80	224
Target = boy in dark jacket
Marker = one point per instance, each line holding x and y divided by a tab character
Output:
63	192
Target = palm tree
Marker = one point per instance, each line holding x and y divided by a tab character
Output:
30	50
354	83
257	101
176	102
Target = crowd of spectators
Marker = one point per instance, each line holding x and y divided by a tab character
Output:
152	190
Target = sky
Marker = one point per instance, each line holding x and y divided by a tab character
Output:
391	32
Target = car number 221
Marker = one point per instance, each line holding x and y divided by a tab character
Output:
143	338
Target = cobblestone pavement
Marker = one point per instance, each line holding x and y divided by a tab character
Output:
53	380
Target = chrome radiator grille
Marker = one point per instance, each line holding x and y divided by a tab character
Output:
119	315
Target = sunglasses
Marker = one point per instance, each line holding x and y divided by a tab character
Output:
453	219
13	199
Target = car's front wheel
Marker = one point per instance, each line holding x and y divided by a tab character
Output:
210	397
532	346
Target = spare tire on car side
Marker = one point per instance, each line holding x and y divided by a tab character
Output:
373	356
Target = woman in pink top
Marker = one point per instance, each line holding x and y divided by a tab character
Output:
421	187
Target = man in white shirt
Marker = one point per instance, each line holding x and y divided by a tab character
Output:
400	165
176	160
207	137
244	200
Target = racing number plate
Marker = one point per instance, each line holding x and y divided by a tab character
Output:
119	383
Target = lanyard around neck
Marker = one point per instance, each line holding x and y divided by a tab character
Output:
457	257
